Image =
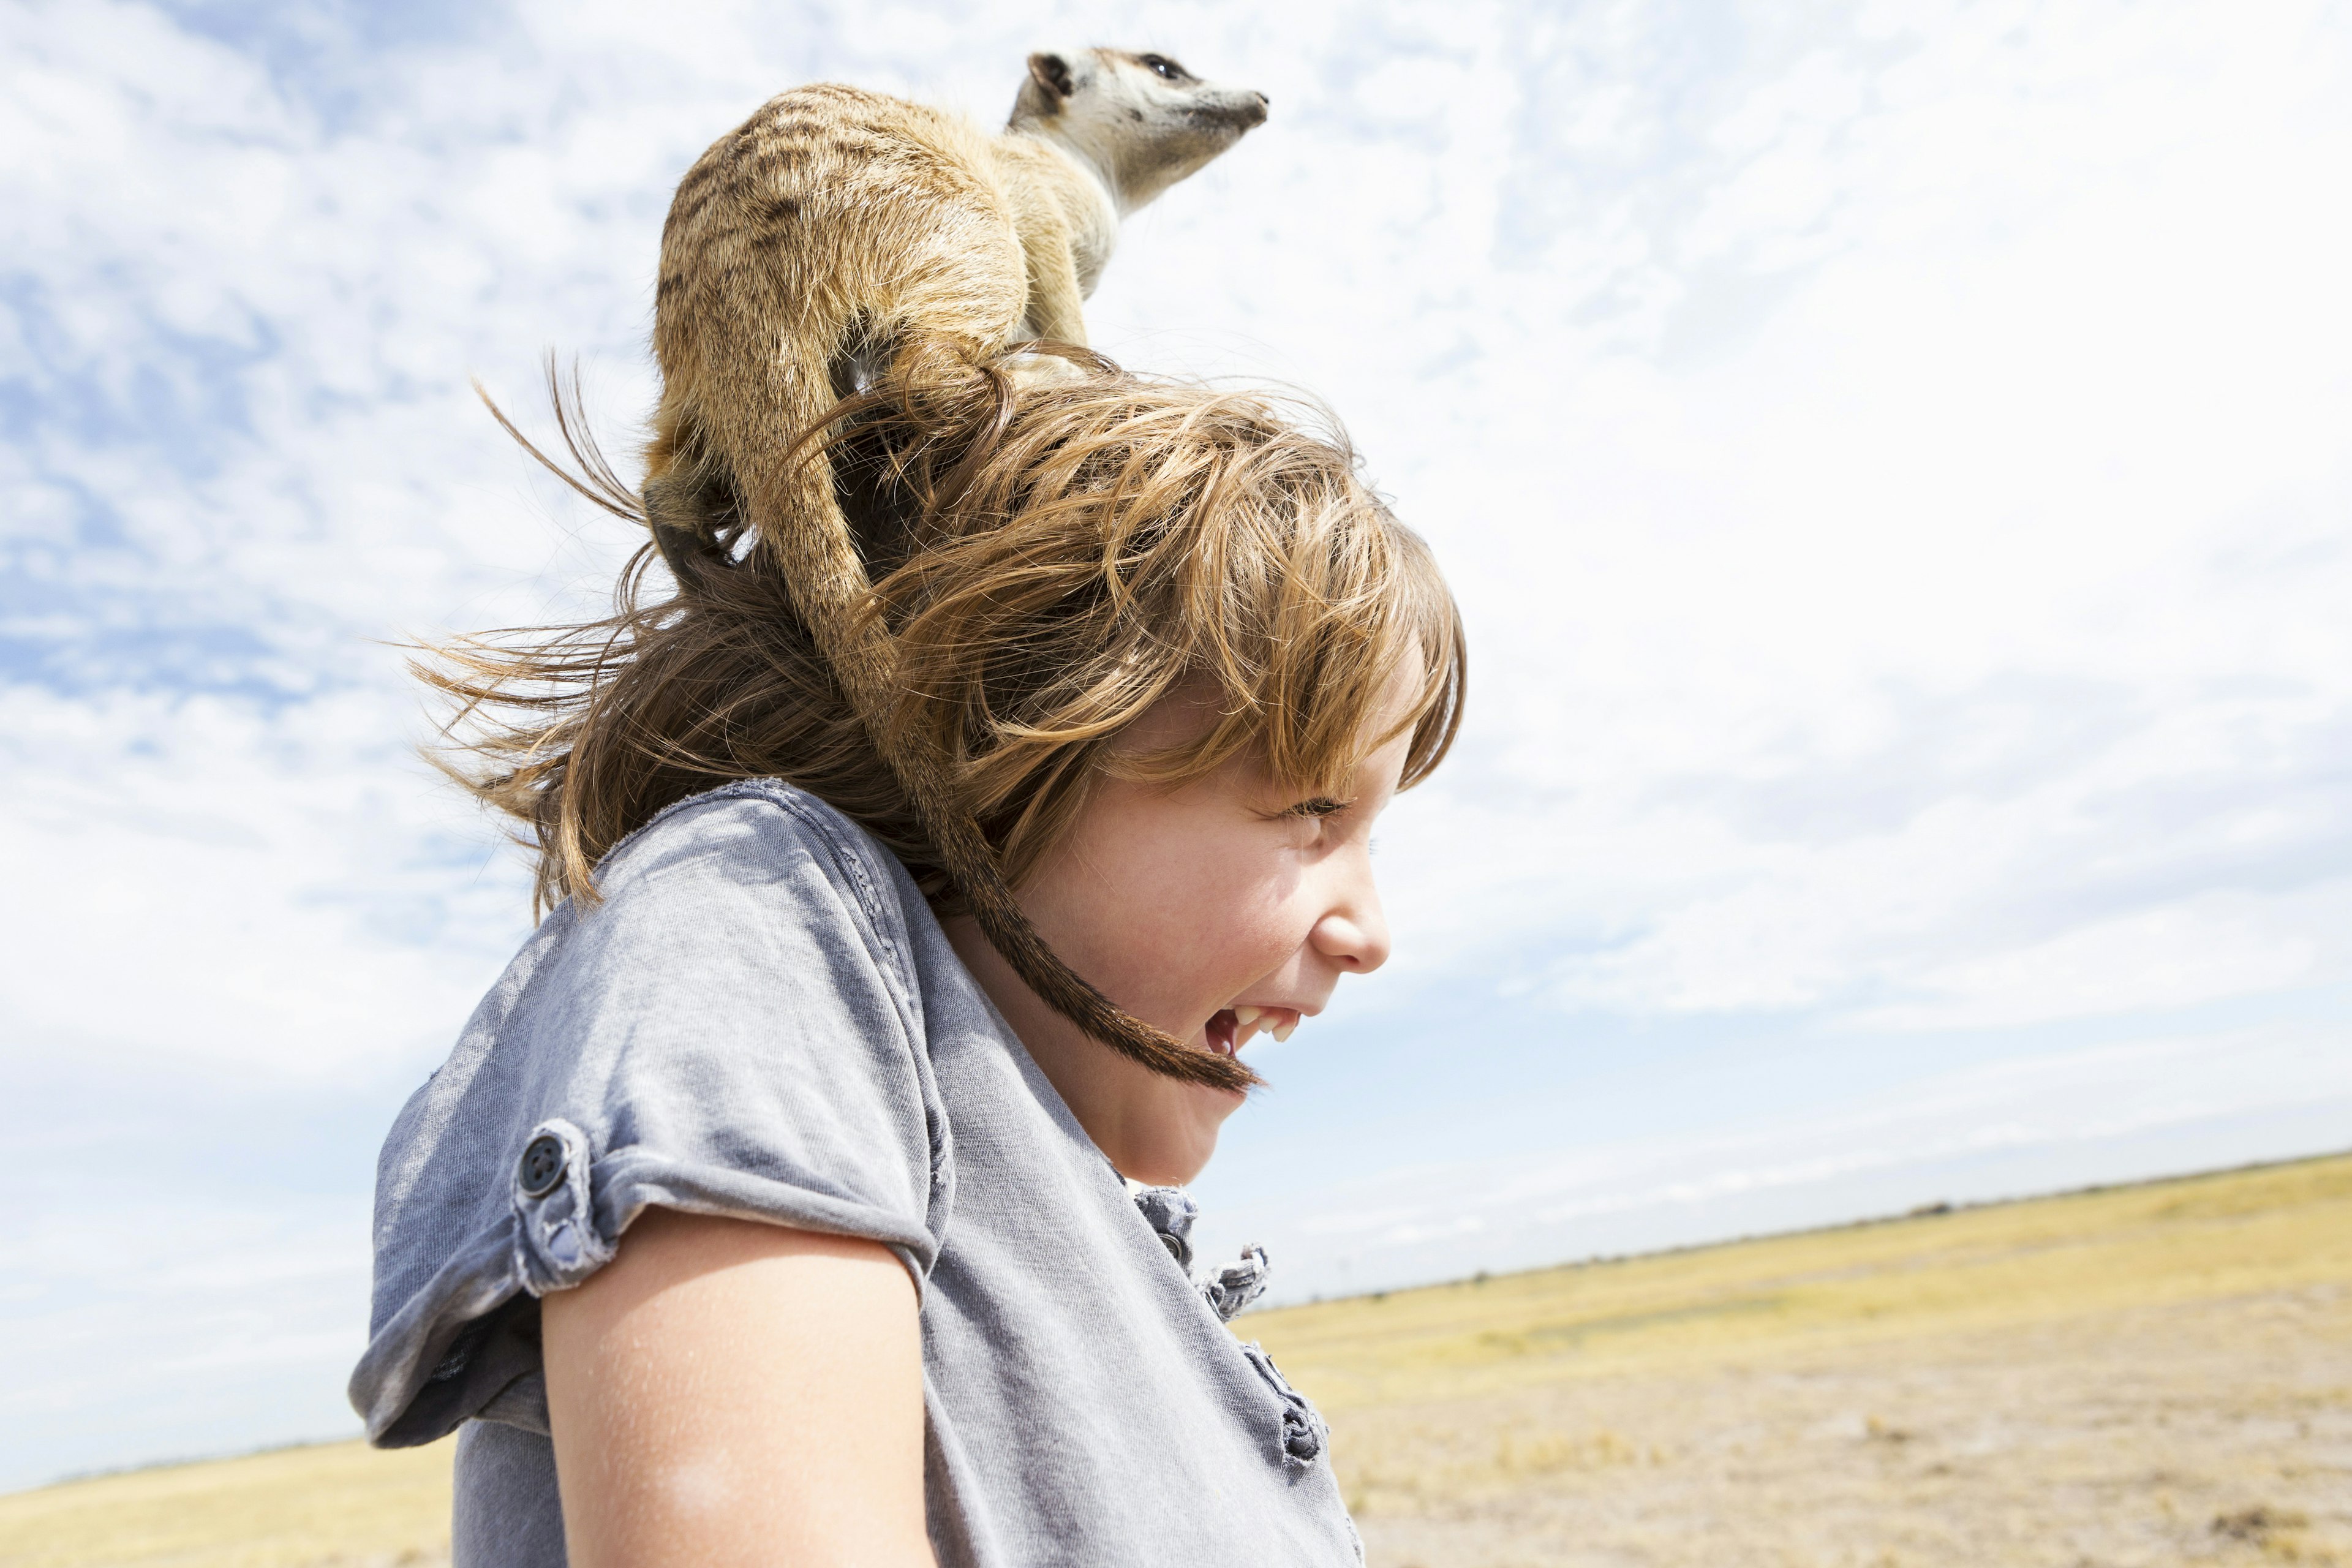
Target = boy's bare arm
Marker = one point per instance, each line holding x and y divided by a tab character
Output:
728	1393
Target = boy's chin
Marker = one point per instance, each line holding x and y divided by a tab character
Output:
1181	1139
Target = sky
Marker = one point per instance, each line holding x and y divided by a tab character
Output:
1892	458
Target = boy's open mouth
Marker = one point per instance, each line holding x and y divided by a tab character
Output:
1231	1028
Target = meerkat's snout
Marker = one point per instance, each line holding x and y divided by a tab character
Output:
1251	112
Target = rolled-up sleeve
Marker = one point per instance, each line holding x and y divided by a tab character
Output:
732	1031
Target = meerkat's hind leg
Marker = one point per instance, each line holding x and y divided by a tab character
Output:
692	507
677	515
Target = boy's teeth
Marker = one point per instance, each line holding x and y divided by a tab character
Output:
1249	1022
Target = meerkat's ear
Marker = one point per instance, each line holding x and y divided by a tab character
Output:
1052	75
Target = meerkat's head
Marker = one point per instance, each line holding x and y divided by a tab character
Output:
1142	120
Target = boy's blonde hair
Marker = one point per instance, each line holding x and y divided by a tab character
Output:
1053	556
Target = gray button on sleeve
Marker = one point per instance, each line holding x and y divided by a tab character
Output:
556	1243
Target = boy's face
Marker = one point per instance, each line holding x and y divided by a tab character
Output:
1218	911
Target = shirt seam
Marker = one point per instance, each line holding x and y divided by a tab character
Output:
844	856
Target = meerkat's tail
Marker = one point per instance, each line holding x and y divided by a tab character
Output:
793	507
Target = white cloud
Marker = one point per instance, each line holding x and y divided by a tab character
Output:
2200	950
281	894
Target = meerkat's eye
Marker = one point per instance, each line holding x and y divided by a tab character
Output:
1163	68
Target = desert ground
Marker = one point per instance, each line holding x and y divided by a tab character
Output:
2150	1375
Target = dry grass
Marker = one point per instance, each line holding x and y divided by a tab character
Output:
339	1505
2154	1374
2150	1375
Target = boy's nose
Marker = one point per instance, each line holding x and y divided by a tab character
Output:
1355	935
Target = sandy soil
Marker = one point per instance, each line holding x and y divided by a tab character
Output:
2216	1431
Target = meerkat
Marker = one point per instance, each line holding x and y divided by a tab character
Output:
812	249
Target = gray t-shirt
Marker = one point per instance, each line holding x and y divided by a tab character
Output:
763	1019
